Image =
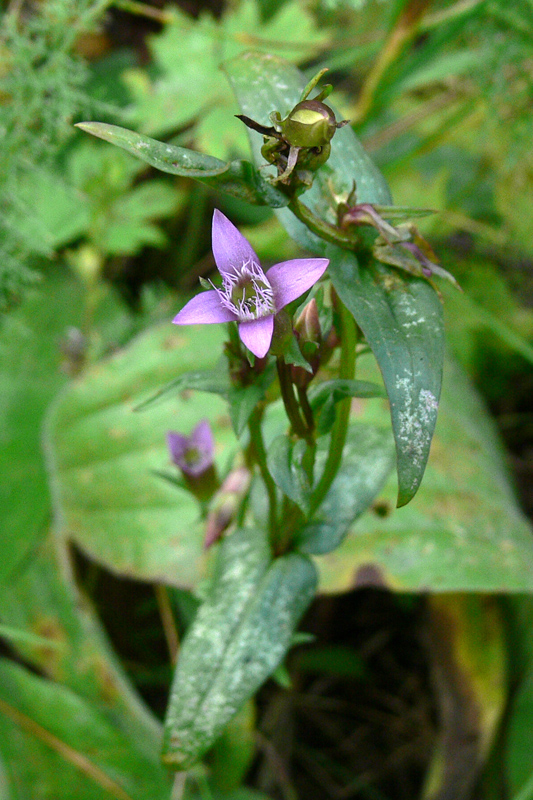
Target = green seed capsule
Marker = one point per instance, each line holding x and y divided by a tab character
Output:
310	124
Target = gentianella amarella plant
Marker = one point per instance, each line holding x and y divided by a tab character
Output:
294	333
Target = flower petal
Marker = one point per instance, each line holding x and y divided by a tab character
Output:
202	438
205	308
290	279
257	335
177	445
230	249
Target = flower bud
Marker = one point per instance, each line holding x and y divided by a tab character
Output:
225	504
307	329
309	124
307	326
194	456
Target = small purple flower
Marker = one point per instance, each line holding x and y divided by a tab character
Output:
192	454
248	295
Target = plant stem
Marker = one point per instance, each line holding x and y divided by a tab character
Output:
306	408
144	10
258	449
340	428
168	621
323	229
289	400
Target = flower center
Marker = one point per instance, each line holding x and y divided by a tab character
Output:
192	456
247	292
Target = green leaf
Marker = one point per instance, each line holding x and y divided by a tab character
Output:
240	635
214	381
17	635
59	634
324	396
463	533
238	178
30	377
284	461
67	747
293	355
234	752
102	456
401	318
46	226
518	755
243	399
368	458
265	83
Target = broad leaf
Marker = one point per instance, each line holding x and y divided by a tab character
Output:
238	178
464	532
241	633
104	456
66	747
266	83
30	355
401	318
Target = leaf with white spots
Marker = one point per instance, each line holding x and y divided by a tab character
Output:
401	318
105	458
367	460
239	636
463	533
238	178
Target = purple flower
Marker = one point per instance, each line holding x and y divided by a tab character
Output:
248	295
192	454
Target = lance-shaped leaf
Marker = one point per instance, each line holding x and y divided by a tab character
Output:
238	638
368	458
285	464
324	396
238	178
464	533
265	83
401	318
213	381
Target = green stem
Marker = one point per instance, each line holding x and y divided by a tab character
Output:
309	459
258	449
306	408
323	229
144	10
289	400
340	428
